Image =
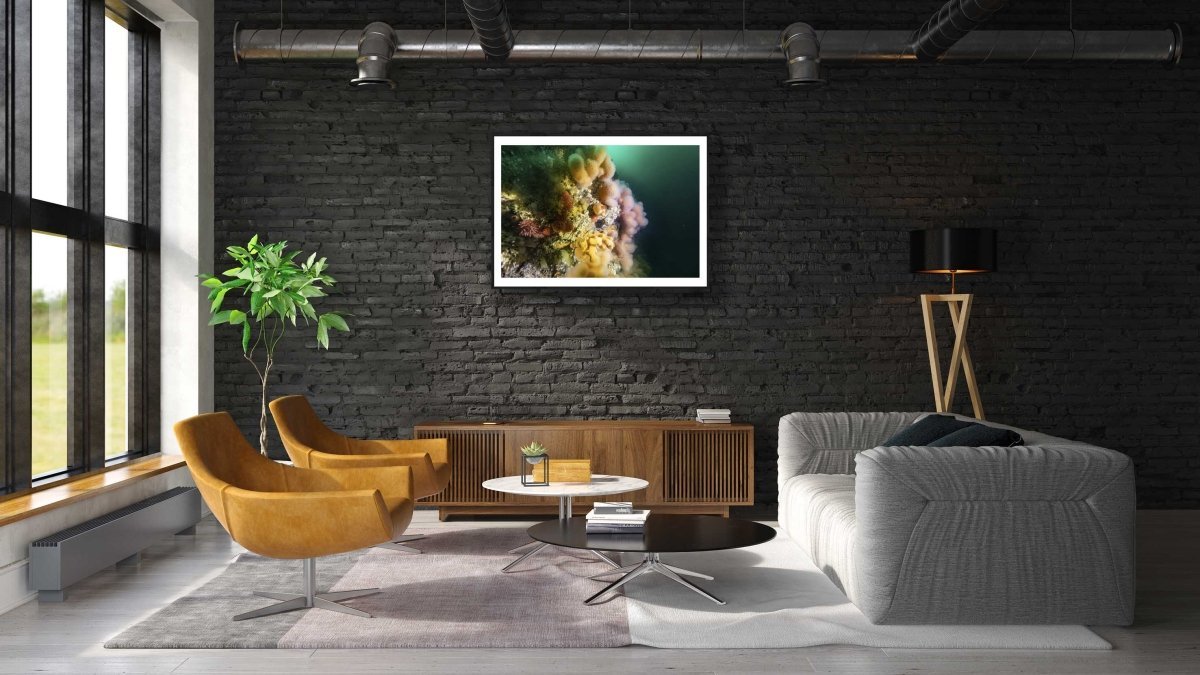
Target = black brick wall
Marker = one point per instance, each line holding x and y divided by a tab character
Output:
1092	174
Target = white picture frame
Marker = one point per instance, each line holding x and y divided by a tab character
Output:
699	281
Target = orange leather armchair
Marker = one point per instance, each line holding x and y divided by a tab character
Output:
313	445
280	511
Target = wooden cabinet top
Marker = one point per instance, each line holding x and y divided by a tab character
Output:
690	425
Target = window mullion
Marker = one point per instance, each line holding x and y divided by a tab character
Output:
16	399
146	352
135	328
86	263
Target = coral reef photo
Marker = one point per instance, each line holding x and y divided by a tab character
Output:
600	211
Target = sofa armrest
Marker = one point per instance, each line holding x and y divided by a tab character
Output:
827	442
995	535
996	473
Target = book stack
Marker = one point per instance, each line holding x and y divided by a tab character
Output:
712	415
616	518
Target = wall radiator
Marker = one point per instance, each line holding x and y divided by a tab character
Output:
63	558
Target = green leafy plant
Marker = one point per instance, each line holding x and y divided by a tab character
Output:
534	449
275	291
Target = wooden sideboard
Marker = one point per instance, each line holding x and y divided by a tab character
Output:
691	467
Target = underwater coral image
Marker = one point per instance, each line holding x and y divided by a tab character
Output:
594	211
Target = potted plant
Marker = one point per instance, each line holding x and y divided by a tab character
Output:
275	291
535	453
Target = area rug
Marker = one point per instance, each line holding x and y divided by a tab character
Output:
454	595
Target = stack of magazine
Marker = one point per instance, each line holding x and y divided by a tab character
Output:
712	415
616	518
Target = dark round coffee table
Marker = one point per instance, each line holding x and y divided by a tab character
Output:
664	533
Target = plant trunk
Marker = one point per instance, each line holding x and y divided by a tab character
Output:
262	418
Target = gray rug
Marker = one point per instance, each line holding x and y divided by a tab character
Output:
454	595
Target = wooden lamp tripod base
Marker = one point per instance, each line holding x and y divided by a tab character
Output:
960	356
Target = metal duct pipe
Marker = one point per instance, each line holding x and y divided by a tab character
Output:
950	24
693	46
585	46
1010	46
376	45
803	54
489	18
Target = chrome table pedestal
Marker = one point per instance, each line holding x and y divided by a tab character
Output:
564	514
652	563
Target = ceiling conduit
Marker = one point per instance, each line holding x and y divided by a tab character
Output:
489	18
950	24
803	49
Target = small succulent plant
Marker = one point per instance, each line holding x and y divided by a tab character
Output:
534	449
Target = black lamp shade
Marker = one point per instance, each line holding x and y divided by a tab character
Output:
953	250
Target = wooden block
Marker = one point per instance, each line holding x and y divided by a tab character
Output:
564	470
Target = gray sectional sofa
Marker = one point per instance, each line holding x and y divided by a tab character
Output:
1041	533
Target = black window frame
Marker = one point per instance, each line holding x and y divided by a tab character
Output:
88	231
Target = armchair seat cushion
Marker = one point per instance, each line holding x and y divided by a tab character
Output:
817	512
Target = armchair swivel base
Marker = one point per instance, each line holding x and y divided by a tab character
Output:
398	545
309	599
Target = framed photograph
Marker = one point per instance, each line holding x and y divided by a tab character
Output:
600	211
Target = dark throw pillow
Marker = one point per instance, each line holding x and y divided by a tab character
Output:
978	435
925	430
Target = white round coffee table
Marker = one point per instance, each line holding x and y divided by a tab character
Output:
599	486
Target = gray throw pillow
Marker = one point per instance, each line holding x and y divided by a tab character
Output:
925	430
978	435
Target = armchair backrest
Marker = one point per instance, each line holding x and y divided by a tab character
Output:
273	509
302	431
218	456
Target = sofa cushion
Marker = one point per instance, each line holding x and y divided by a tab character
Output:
977	436
926	430
817	512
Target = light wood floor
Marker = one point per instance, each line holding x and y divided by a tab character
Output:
67	637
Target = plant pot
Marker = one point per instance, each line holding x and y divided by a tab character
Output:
526	479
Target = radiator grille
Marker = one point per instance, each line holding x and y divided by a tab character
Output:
707	466
59	537
475	456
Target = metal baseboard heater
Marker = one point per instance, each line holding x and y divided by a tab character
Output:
63	558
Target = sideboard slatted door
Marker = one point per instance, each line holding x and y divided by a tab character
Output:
708	467
475	456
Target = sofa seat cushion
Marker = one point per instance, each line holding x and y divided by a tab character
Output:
817	512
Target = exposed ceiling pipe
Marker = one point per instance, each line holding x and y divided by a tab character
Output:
953	21
836	47
803	53
489	18
376	45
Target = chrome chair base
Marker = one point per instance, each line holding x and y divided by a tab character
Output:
309	599
399	544
652	563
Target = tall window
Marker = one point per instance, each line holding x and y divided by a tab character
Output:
78	233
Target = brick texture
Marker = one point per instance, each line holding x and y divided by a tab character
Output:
1092	175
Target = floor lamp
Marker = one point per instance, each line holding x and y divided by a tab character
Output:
952	251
